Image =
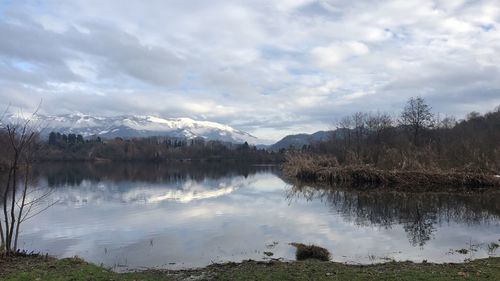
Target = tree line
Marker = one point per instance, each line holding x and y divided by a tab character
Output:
62	140
73	147
416	139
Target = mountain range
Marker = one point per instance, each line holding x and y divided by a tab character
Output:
130	126
134	126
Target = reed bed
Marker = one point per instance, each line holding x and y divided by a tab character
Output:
324	169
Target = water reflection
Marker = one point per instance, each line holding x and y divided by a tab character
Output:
418	212
63	174
146	215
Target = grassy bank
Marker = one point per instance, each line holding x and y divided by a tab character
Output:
41	268
322	169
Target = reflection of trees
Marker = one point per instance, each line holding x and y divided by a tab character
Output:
74	174
417	212
419	227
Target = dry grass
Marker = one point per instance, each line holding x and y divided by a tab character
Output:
305	252
324	169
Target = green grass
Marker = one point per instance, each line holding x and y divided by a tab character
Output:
40	268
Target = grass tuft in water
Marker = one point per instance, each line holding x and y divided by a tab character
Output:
305	252
492	247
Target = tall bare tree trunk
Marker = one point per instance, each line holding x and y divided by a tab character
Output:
13	205
23	203
5	211
2	238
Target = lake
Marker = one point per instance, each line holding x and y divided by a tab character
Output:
134	216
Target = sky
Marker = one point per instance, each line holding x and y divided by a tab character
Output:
270	68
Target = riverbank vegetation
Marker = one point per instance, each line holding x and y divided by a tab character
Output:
46	268
325	169
417	148
74	148
61	147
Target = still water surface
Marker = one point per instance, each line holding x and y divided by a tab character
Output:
131	216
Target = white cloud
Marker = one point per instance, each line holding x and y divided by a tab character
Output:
334	54
270	67
456	25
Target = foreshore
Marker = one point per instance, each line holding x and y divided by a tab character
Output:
35	267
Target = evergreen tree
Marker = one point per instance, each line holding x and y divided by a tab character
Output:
52	138
71	139
79	139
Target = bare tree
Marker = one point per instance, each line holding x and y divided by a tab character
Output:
416	116
447	123
359	122
17	202
377	123
344	126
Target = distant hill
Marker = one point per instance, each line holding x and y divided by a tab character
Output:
300	140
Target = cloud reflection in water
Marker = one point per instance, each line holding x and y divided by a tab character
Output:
192	218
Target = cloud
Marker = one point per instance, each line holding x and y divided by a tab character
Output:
269	67
332	55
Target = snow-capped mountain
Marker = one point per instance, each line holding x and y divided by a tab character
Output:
138	126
